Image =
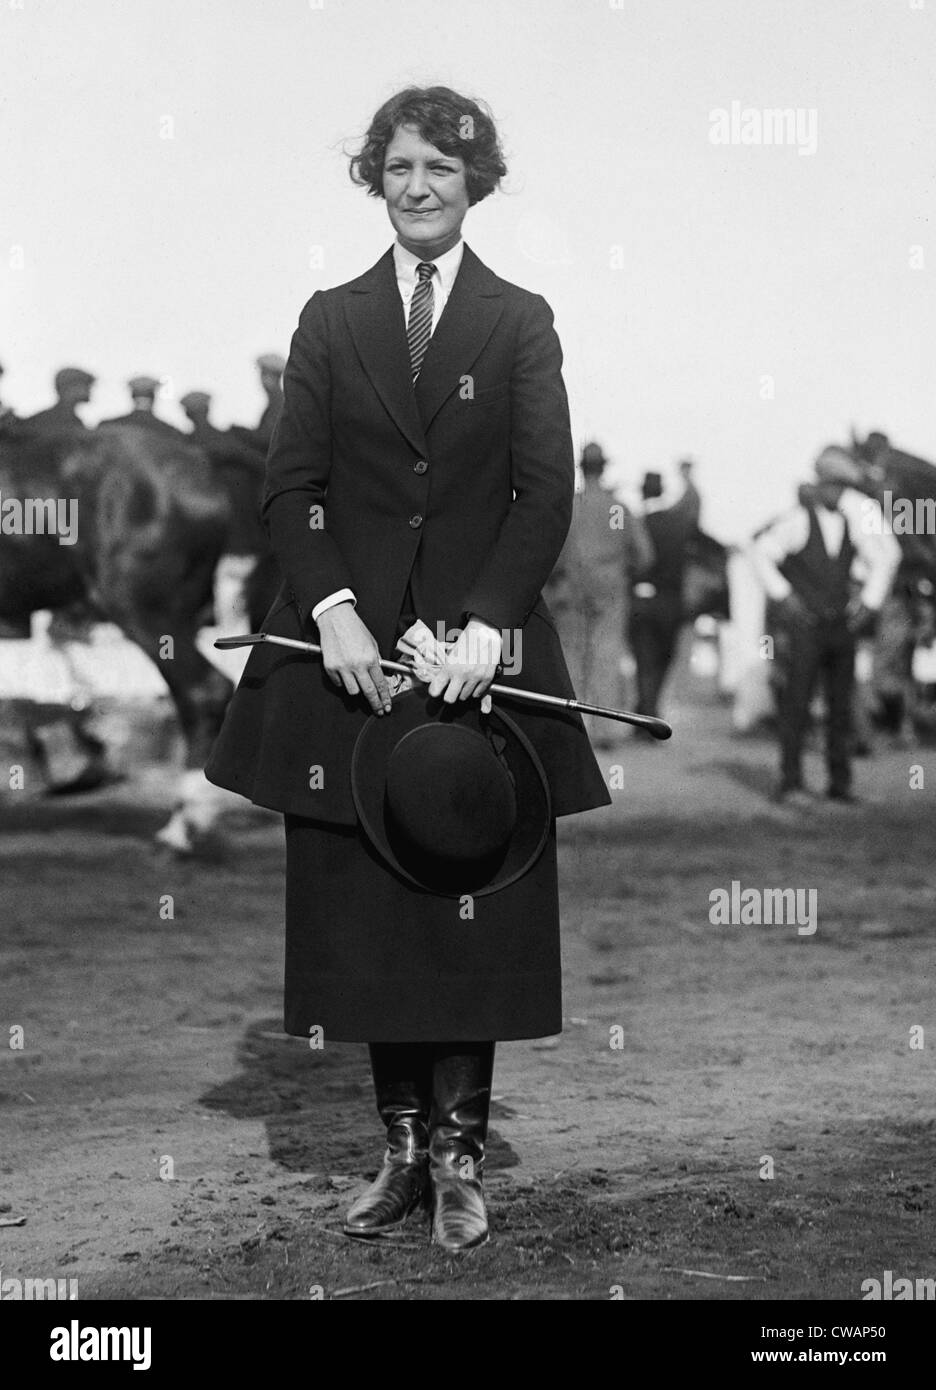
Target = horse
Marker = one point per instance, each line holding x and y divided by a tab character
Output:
150	526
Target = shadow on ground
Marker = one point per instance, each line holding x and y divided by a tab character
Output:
316	1104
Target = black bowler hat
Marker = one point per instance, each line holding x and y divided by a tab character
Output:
453	800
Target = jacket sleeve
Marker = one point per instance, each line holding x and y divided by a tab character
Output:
542	477
294	508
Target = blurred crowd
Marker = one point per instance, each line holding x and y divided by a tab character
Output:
844	608
626	584
843	611
74	387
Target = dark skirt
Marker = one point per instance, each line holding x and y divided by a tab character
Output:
370	958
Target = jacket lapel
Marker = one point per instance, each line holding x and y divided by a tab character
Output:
467	321
374	314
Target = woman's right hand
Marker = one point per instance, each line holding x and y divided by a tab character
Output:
351	657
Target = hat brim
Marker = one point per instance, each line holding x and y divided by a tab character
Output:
369	760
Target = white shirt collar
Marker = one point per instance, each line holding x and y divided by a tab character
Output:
446	266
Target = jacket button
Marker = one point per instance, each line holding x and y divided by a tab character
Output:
416	521
420	467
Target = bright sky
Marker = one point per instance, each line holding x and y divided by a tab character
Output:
681	272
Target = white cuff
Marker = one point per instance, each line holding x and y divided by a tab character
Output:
339	596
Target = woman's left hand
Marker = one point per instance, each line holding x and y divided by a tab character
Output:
471	664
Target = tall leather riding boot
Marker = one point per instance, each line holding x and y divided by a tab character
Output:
461	1098
402	1082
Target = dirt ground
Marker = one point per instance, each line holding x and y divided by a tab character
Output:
164	1139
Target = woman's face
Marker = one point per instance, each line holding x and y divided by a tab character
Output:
426	194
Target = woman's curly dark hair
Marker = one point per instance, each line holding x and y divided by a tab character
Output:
456	125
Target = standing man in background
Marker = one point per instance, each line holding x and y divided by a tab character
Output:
73	388
805	562
589	591
271	367
657	597
143	392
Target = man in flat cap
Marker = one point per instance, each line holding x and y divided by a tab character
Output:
808	562
271	367
197	408
143	392
73	388
239	468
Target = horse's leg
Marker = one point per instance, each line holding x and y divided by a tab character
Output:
196	813
204	692
200	694
199	691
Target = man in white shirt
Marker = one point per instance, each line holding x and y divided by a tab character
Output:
806	562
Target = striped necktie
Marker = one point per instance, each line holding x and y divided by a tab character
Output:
419	324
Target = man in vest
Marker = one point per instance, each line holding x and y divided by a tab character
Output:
808	562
